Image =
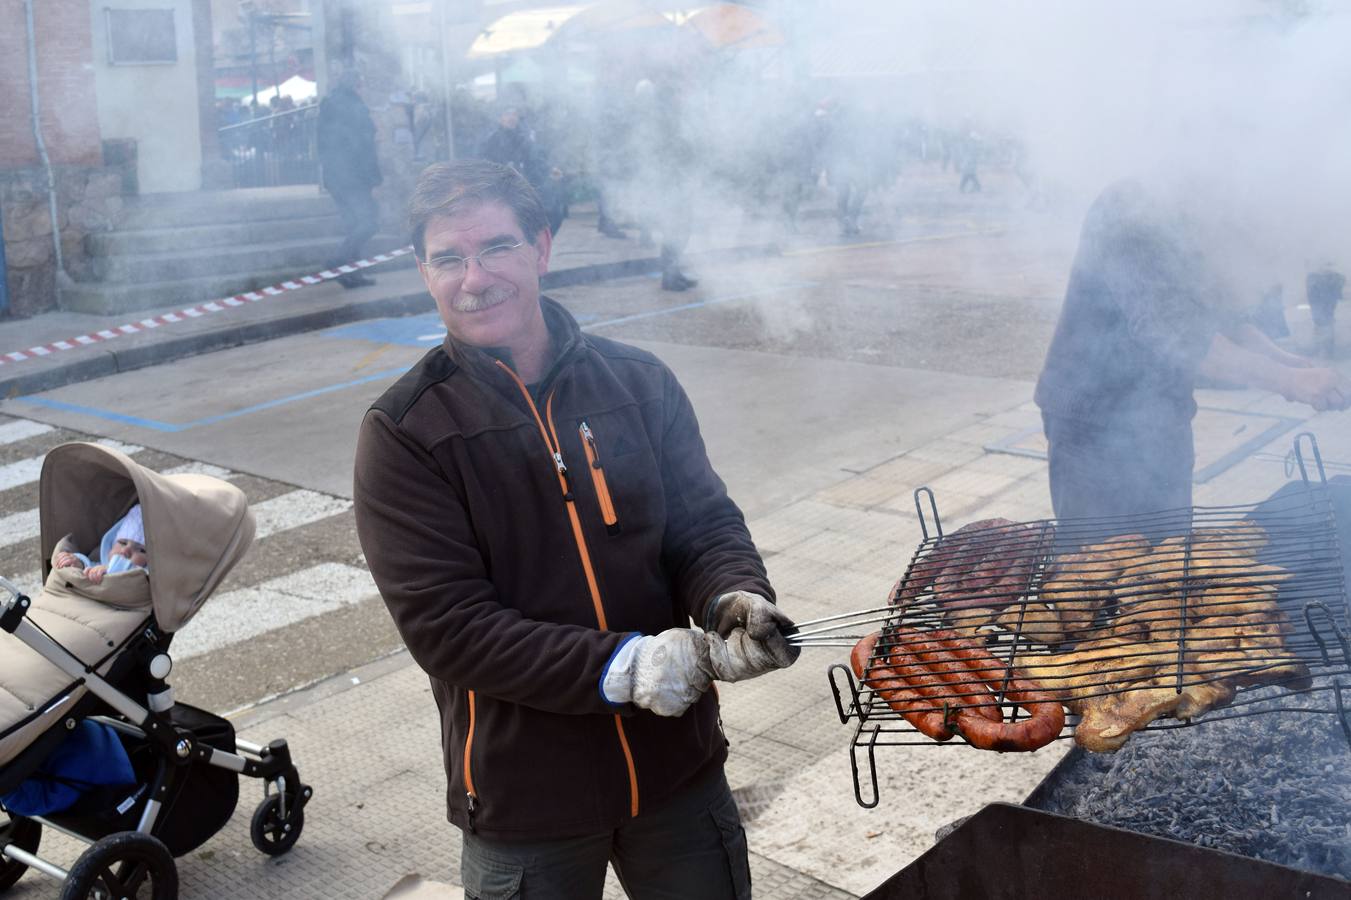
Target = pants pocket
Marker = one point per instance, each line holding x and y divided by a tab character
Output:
486	878
728	820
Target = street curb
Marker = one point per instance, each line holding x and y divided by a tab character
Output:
112	361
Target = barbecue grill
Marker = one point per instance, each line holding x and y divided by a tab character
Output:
1185	617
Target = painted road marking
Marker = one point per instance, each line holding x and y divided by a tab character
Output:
406	331
294	509
413	331
171	427
19	527
26	471
200	468
241	614
290	510
193	312
20	429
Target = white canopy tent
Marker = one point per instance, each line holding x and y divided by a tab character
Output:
297	87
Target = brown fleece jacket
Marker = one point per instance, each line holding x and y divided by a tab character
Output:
513	582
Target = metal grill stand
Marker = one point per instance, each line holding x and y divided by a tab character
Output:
1182	613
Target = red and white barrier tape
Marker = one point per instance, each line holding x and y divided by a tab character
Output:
201	309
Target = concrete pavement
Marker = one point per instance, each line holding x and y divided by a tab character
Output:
367	739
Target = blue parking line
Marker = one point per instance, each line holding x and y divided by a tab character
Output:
157	425
419	323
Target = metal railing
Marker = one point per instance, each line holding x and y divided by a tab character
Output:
273	150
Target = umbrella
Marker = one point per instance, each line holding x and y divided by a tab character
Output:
728	26
524	29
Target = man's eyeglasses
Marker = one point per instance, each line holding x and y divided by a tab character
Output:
493	259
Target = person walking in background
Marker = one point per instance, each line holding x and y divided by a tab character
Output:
1324	290
969	152
350	170
663	160
512	143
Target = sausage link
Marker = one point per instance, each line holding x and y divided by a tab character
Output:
891	686
1046	717
945	667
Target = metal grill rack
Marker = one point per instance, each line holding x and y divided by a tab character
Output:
1192	609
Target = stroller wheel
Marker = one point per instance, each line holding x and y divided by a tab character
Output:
271	833
127	864
24	834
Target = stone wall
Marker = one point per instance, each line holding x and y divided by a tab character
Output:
89	200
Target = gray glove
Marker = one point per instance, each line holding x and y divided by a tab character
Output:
763	624
741	656
665	672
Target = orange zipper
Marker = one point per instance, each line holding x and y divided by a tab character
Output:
550	435
468	775
607	506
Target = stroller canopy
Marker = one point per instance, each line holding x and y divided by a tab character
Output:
196	527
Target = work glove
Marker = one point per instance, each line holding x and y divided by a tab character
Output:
741	656
762	624
665	672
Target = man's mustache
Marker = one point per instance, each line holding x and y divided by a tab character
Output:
489	298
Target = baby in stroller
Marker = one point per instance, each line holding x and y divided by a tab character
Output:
123	548
84	701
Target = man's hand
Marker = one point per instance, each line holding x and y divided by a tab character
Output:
665	672
761	622
1321	388
741	657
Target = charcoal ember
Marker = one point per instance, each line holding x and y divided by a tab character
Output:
1274	787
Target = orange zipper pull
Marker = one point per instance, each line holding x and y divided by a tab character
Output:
607	507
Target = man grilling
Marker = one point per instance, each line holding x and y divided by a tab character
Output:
1146	313
542	520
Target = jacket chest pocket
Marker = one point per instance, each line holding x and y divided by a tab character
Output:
622	471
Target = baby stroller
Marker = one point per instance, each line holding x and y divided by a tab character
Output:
85	668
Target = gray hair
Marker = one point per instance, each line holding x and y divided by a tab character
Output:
444	189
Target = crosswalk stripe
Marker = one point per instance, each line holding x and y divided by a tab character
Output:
19	527
20	429
200	468
26	471
291	510
238	615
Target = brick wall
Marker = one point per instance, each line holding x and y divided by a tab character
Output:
65	84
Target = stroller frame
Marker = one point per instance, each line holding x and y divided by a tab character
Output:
277	821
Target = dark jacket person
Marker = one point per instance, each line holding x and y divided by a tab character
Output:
346	145
543	523
1147	311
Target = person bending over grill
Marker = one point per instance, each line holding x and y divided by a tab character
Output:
1146	312
541	518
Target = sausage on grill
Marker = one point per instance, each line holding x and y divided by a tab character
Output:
929	669
894	688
